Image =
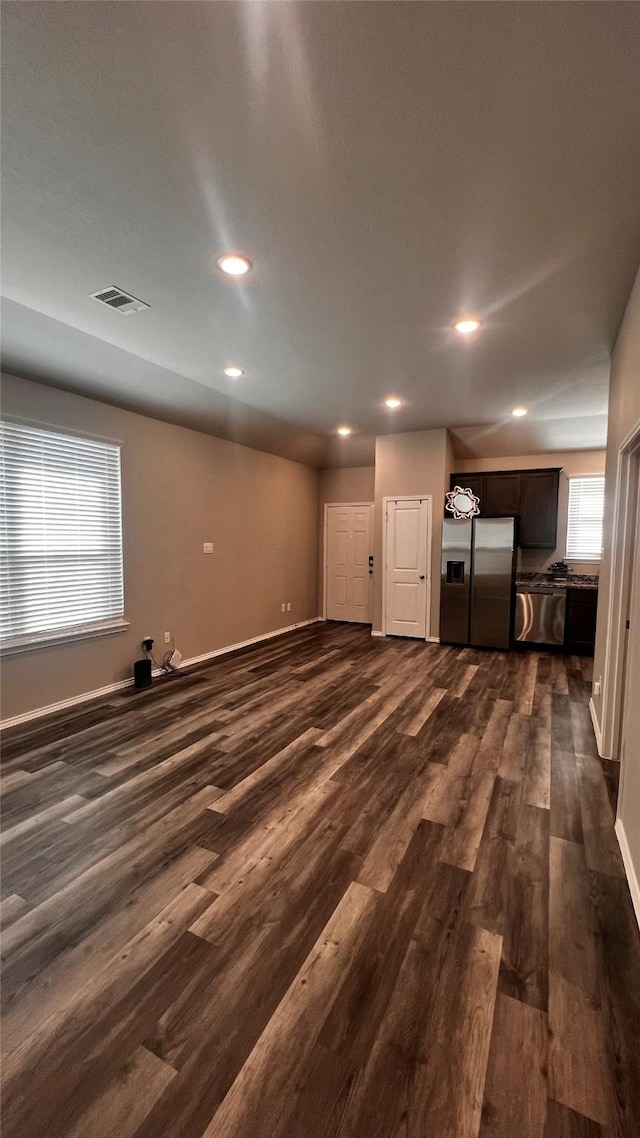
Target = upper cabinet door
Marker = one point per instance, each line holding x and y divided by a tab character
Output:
501	494
472	482
538	509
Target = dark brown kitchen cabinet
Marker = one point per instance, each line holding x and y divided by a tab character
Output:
501	494
532	495
580	620
472	482
538	509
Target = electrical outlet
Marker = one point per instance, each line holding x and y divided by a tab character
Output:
288	606
207	547
167	638
282	607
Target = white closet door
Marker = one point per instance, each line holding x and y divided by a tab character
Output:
406	567
349	544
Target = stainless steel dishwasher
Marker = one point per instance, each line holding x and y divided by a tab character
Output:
540	612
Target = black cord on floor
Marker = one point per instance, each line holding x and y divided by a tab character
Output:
161	667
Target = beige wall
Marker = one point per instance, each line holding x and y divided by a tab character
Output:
624	414
412	463
573	463
344	484
179	488
347	484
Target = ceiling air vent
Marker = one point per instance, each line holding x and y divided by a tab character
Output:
121	301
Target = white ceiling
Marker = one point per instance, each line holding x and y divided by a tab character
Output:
387	167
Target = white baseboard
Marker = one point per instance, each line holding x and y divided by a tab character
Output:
50	708
429	639
97	693
596	728
632	877
247	643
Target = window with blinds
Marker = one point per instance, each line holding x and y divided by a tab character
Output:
60	536
584	523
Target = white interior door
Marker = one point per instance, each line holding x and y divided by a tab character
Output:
406	566
348	580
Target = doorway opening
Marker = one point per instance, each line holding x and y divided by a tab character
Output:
624	540
620	739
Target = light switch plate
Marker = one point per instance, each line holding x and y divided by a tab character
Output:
207	547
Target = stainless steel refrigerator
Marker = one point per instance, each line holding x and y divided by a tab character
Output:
477	583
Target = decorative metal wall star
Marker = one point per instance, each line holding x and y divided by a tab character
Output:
462	503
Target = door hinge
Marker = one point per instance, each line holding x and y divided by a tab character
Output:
627	625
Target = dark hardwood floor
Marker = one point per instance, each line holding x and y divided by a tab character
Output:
330	886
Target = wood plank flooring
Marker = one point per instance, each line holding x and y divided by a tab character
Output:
330	887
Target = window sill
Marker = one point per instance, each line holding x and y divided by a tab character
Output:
15	644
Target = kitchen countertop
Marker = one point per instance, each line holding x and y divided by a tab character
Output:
573	581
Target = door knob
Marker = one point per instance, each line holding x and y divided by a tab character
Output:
422	576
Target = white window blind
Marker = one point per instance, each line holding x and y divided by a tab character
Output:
60	535
586	513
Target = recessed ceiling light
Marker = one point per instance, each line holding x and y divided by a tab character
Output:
466	327
344	431
234	264
233	372
393	402
519	412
